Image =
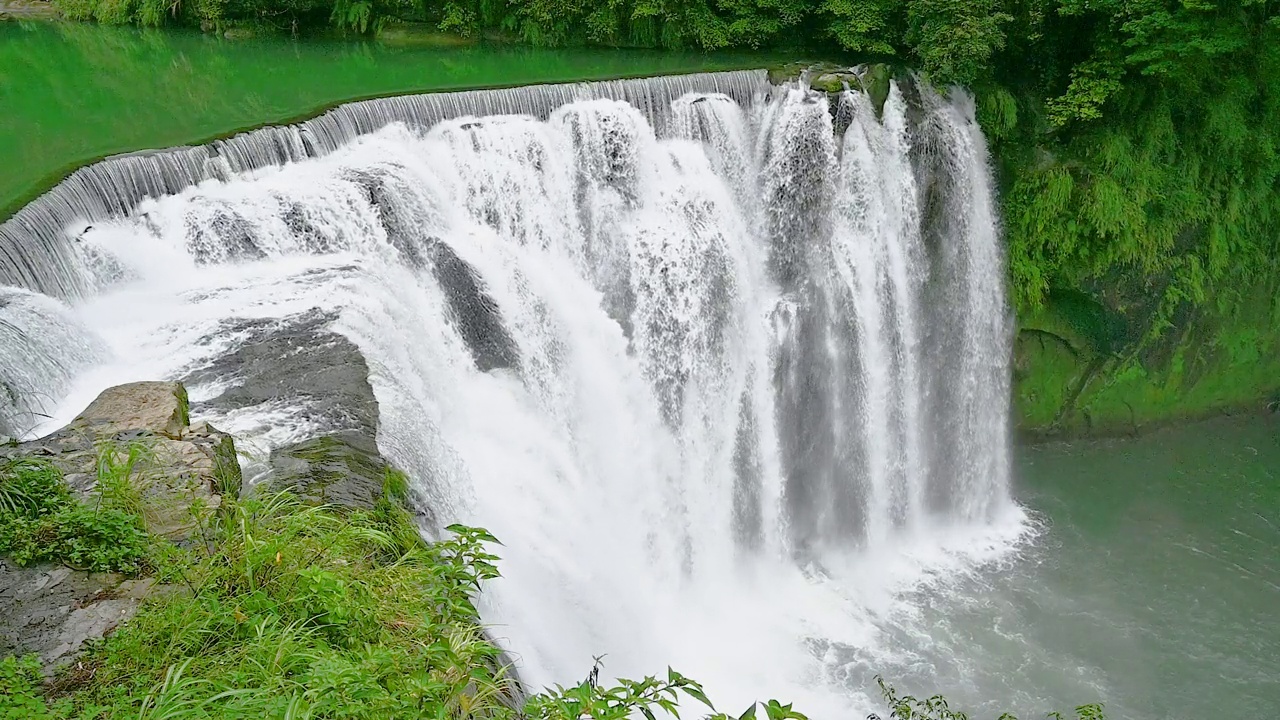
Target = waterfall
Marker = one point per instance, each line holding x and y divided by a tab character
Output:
727	378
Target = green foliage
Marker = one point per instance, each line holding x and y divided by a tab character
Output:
293	611
30	488
102	540
39	522
864	26
906	707
591	700
954	40
20	697
119	484
290	611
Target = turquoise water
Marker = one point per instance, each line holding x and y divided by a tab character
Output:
1154	585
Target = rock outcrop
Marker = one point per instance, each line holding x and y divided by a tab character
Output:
325	376
145	426
343	469
832	79
53	610
328	379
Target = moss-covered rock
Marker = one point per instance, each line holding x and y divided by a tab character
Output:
420	35
343	469
1082	367
873	79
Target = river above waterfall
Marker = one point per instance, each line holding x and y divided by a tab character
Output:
73	92
732	394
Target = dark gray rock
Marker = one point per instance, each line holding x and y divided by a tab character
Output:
53	611
478	317
298	361
344	469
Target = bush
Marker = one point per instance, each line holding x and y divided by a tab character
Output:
906	707
30	488
39	521
20	690
80	537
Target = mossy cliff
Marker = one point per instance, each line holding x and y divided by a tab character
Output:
1082	368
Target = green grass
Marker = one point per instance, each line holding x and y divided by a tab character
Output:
41	522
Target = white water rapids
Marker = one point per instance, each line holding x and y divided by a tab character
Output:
724	367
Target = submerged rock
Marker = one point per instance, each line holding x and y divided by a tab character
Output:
28	10
423	35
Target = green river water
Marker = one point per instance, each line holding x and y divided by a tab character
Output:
1154	584
71	93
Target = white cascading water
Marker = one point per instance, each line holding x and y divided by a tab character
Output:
737	385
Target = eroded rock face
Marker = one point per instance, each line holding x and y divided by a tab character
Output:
53	611
326	377
325	372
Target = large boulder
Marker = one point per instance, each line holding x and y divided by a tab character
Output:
145	428
156	407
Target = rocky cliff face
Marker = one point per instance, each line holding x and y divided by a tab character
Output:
1089	363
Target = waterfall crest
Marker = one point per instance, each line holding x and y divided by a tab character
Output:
691	351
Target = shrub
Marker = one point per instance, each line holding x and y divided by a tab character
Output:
30	488
40	521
